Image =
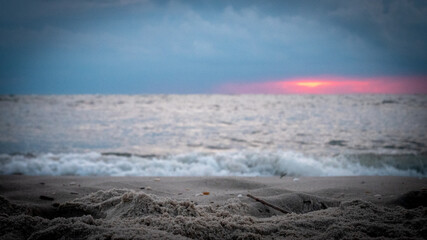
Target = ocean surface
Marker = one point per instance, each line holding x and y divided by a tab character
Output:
214	135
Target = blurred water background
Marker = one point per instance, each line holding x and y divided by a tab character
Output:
205	135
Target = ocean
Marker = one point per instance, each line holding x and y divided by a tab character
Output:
214	135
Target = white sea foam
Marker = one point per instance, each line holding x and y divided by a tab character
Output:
194	164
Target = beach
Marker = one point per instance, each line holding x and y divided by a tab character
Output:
213	167
229	120
76	207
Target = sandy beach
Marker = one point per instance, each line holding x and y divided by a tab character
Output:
229	120
212	207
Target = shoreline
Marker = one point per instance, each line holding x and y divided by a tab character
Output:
212	207
63	187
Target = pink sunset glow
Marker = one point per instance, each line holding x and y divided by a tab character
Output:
332	85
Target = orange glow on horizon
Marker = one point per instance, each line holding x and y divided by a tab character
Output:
312	84
332	85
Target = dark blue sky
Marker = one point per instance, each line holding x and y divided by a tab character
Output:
142	46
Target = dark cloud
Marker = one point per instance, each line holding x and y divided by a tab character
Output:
161	46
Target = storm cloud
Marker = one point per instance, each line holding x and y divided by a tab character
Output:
134	46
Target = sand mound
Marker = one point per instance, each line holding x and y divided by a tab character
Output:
122	203
413	199
292	202
127	214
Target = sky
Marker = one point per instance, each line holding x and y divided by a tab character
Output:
183	47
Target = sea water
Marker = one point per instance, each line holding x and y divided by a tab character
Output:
214	135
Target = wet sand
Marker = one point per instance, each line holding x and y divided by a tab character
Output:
212	207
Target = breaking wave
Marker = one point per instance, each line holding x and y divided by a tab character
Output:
221	164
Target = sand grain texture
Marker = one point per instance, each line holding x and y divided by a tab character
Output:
117	208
